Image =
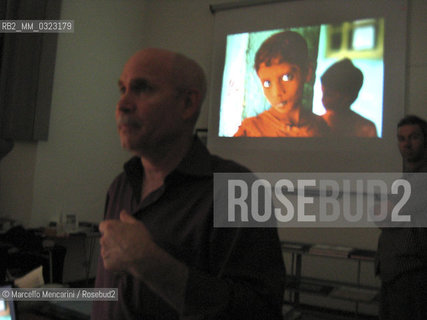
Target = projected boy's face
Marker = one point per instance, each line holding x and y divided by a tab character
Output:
334	99
283	84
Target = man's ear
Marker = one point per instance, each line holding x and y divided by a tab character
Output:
192	103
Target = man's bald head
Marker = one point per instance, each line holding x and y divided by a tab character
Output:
161	93
184	73
189	75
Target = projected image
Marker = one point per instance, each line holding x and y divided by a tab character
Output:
311	81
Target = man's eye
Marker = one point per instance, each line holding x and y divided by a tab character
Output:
266	84
288	77
416	137
122	90
140	87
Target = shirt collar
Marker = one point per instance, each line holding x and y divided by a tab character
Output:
305	117
197	162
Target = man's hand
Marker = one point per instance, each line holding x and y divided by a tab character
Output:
125	243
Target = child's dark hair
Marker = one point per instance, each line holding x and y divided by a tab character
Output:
343	76
286	46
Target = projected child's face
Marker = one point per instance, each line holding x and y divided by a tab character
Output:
283	84
334	99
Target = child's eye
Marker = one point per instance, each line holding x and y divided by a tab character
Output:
266	84
288	77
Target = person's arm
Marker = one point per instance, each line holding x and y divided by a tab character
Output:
246	279
126	245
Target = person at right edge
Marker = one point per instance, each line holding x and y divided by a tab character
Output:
401	260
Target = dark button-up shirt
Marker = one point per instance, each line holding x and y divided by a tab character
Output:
404	250
233	273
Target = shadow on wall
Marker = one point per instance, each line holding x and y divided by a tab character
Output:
5	147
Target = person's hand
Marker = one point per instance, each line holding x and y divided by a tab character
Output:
127	246
125	243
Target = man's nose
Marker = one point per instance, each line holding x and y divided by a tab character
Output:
407	143
125	104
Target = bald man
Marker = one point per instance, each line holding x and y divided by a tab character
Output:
158	244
